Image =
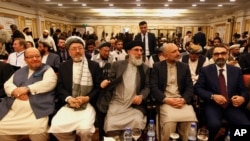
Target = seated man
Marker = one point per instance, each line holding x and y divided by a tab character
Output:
78	84
127	88
6	70
195	61
29	101
172	86
221	86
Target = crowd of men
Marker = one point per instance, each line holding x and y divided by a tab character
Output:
68	86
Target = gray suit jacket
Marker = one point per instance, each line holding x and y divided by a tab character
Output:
53	60
117	70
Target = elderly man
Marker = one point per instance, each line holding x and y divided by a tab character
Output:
29	101
195	61
78	85
221	86
172	86
127	87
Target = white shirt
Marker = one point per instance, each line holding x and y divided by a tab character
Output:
29	38
44	58
17	59
119	55
147	52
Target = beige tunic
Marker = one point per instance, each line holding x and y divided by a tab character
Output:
120	113
21	116
169	113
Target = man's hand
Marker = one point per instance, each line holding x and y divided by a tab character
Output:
175	102
105	83
137	100
73	102
219	99
237	100
82	99
21	93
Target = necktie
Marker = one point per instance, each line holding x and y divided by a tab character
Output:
223	88
143	40
64	55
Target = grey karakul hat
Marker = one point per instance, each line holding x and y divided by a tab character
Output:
74	39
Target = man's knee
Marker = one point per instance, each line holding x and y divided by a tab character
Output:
84	134
39	137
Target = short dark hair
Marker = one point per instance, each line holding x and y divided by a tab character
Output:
199	28
90	42
22	42
45	44
217	38
142	23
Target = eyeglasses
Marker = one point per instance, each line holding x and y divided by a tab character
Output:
77	48
220	53
31	57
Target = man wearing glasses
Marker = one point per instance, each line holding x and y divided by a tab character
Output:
221	87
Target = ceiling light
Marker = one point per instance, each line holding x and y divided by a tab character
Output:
220	5
106	0
138	0
138	4
194	5
202	0
75	0
232	0
60	4
111	4
84	4
170	0
47	0
166	5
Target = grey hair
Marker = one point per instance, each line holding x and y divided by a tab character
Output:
74	39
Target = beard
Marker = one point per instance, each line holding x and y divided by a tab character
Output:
220	62
77	59
42	52
135	61
45	36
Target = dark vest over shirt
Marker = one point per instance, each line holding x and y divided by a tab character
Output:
201	61
42	104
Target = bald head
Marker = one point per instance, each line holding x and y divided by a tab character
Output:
171	52
33	58
1	26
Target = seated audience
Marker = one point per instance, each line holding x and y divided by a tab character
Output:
119	53
29	101
172	86
78	84
221	86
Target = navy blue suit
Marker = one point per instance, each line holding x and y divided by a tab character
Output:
208	84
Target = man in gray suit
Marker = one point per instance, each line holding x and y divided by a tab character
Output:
48	58
29	100
124	92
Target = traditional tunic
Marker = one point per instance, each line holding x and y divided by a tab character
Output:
120	113
169	113
68	119
21	116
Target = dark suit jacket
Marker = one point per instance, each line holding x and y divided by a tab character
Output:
116	73
53	60
208	83
60	55
244	62
65	80
5	72
159	78
151	41
200	38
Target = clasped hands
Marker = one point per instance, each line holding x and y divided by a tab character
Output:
21	93
236	100
76	102
176	102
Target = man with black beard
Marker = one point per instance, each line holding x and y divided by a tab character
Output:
221	87
28	35
48	58
127	87
46	38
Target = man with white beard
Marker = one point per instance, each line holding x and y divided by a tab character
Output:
127	87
